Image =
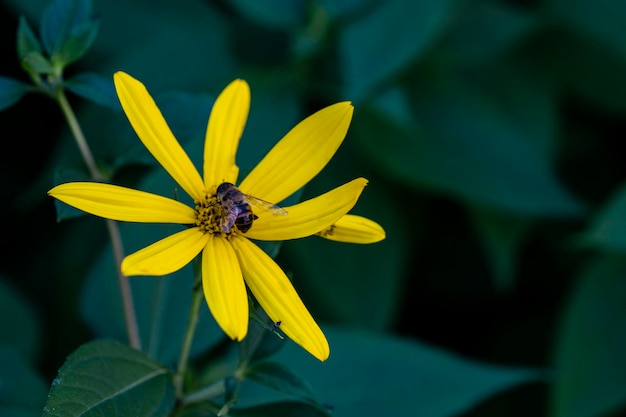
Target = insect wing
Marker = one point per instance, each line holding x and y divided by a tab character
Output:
272	208
229	219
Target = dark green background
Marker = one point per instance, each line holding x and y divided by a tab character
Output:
490	131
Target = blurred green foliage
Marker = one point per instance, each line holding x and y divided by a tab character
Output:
491	133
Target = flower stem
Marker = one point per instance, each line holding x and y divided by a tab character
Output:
132	329
192	322
206	393
79	137
114	232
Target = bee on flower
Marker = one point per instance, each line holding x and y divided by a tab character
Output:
229	214
237	210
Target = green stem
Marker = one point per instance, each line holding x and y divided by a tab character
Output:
206	393
132	329
114	232
252	342
79	137
192	322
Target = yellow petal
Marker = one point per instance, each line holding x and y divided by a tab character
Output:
300	155
224	288
309	217
279	299
354	229
167	255
121	203
226	124
149	124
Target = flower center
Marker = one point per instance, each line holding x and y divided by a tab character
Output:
209	214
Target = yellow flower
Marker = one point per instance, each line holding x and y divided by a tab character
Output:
229	258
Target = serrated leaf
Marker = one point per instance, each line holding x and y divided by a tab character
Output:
11	91
105	377
279	377
27	41
589	361
94	87
382	42
374	374
19	326
22	390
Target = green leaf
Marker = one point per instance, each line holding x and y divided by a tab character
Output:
19	326
272	13
282	409
277	376
528	97
22	390
600	20
589	361
607	230
193	35
456	140
263	339
105	377
343	8
27	41
598	79
67	30
386	39
11	91
373	374
502	237
78	43
94	87
36	63
484	30
59	19
278	409
63	210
